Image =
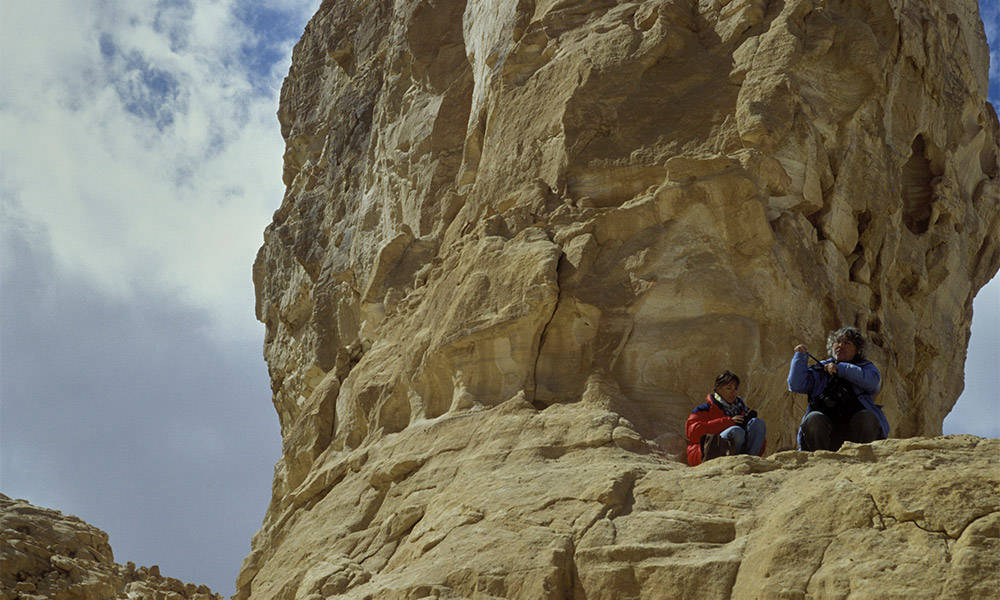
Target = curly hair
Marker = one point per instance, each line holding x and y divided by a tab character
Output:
725	377
851	334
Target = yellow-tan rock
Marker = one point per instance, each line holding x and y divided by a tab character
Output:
45	554
514	502
589	209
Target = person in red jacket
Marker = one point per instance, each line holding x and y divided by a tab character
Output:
725	414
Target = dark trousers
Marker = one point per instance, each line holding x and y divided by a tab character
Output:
820	432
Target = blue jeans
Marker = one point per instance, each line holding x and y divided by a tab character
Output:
749	440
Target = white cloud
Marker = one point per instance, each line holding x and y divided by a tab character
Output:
140	160
139	138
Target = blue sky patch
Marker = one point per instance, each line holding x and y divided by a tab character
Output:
172	18
148	92
990	12
145	90
272	29
108	47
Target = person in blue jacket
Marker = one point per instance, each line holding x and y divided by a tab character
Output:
841	390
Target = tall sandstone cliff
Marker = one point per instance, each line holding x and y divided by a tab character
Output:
519	239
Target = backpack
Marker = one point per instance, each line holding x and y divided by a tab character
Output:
714	446
837	400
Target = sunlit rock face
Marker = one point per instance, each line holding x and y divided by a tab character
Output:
598	206
558	504
45	554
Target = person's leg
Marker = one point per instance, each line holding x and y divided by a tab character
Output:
817	432
714	446
756	433
863	427
737	436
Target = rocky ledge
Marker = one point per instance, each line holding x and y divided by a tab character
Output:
45	554
567	502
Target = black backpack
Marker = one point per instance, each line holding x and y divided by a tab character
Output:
837	400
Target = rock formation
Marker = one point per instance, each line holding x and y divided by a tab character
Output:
515	502
45	554
520	238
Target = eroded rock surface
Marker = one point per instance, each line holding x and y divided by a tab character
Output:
45	554
520	503
599	202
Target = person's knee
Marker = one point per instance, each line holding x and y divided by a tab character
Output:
817	432
736	435
865	427
817	422
756	434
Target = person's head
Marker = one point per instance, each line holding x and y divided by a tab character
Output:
846	344
726	385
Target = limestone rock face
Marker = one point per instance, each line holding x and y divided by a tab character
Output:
592	203
46	554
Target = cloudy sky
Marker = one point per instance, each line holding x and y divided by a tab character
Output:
140	160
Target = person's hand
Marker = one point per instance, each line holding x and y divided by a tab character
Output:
831	367
801	349
739	419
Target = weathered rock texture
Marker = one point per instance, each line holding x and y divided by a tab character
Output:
589	203
520	503
45	554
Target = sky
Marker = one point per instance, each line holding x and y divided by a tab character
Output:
140	161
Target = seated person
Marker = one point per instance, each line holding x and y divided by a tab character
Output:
841	390
724	415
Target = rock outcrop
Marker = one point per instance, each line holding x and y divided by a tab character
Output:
515	502
46	554
585	210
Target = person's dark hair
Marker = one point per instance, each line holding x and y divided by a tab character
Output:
725	377
853	335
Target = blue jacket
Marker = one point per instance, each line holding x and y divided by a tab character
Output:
863	376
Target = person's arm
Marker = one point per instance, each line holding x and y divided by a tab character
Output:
801	380
865	376
698	424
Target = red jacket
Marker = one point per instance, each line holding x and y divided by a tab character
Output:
707	418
